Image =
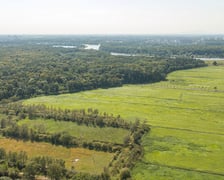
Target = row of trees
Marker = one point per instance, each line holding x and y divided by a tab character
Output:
125	159
61	138
205	49
89	117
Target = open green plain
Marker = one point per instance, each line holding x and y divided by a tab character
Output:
106	134
187	118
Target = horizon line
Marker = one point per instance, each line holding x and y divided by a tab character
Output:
113	34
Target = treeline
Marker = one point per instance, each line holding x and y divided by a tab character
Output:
89	117
27	71
61	138
125	159
206	49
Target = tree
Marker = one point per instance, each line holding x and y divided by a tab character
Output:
125	174
3	123
126	140
20	93
21	160
55	171
2	154
65	139
214	63
24	131
30	170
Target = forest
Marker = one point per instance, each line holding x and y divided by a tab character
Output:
28	71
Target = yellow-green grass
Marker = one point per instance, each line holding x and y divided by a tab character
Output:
88	161
186	113
88	133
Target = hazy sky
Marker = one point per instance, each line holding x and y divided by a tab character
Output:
111	16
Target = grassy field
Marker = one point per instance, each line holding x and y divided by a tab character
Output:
186	114
145	171
114	135
88	161
180	154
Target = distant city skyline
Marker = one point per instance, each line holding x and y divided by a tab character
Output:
111	17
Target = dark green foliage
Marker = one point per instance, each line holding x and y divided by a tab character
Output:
11	163
125	174
27	71
91	117
126	158
5	122
2	154
56	171
30	171
53	168
215	63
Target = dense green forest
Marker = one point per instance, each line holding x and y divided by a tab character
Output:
28	71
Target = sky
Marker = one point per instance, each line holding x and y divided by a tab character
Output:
111	16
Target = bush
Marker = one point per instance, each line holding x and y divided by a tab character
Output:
125	174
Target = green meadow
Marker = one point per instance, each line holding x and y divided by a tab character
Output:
186	116
88	133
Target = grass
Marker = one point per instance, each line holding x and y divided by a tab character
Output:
107	134
89	161
184	149
2	115
144	171
186	114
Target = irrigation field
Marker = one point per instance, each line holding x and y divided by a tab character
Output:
187	118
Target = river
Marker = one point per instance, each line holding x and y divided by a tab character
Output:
92	46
